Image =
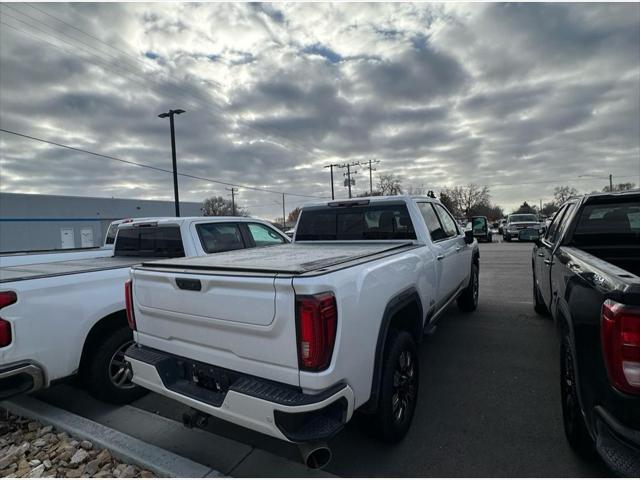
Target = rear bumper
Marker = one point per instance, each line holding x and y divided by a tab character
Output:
20	378
617	444
272	408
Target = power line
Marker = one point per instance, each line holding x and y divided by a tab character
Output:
137	164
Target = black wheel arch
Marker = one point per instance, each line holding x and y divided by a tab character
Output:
412	321
107	324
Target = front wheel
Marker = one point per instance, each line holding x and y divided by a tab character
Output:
105	373
468	299
398	388
538	303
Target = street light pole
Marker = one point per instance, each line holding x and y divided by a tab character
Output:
170	114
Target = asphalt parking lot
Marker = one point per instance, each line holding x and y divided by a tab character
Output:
489	394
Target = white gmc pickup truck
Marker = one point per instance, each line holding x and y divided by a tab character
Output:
66	317
291	340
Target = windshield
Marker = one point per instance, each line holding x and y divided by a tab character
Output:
522	218
370	222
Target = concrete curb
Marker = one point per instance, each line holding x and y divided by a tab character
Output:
122	446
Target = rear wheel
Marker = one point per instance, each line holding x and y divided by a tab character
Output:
398	388
575	428
468	299
105	373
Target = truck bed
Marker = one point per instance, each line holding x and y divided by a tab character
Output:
68	267
293	259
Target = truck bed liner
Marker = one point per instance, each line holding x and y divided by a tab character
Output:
67	267
295	258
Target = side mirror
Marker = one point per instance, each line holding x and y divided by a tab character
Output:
468	237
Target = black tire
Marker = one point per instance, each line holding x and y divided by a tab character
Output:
398	393
101	370
575	428
468	299
538	303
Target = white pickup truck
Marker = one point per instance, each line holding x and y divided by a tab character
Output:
12	259
66	317
291	340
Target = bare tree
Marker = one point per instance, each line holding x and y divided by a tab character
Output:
293	215
389	184
526	208
563	193
465	199
220	206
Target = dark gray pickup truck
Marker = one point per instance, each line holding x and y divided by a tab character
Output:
586	274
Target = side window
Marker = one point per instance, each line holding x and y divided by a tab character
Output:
563	223
264	236
448	223
553	227
431	219
219	237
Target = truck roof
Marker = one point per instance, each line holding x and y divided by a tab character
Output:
375	199
181	220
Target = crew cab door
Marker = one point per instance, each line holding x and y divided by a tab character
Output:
447	246
544	253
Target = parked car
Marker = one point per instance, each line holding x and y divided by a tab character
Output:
586	273
480	227
521	226
62	318
291	341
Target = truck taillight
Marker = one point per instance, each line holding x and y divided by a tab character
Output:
6	299
128	301
317	318
620	332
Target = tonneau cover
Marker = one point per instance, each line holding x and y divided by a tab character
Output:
67	267
293	258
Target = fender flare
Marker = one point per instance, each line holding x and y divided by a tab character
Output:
396	304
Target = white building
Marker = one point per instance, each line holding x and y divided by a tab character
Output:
43	222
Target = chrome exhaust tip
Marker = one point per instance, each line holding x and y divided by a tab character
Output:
315	455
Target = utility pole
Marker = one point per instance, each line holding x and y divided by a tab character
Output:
349	173
170	114
233	191
610	183
371	170
331	167
284	219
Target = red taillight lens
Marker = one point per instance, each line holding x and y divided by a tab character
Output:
6	299
620	332
317	317
128	301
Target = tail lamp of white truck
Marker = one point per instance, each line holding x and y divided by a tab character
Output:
6	299
620	334
317	319
128	302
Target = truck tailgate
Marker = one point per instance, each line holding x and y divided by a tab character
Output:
242	323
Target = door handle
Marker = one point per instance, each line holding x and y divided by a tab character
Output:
548	262
440	257
458	248
540	254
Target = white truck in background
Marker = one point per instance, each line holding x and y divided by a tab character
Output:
12	259
290	341
68	317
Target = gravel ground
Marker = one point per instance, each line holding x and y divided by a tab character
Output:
29	449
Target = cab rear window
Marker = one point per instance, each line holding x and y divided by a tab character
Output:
370	222
162	242
609	223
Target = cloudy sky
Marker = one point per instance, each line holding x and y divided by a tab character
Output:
518	97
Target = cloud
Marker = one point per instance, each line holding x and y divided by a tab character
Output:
497	94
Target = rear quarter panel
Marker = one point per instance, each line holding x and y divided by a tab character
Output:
53	316
582	285
362	294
